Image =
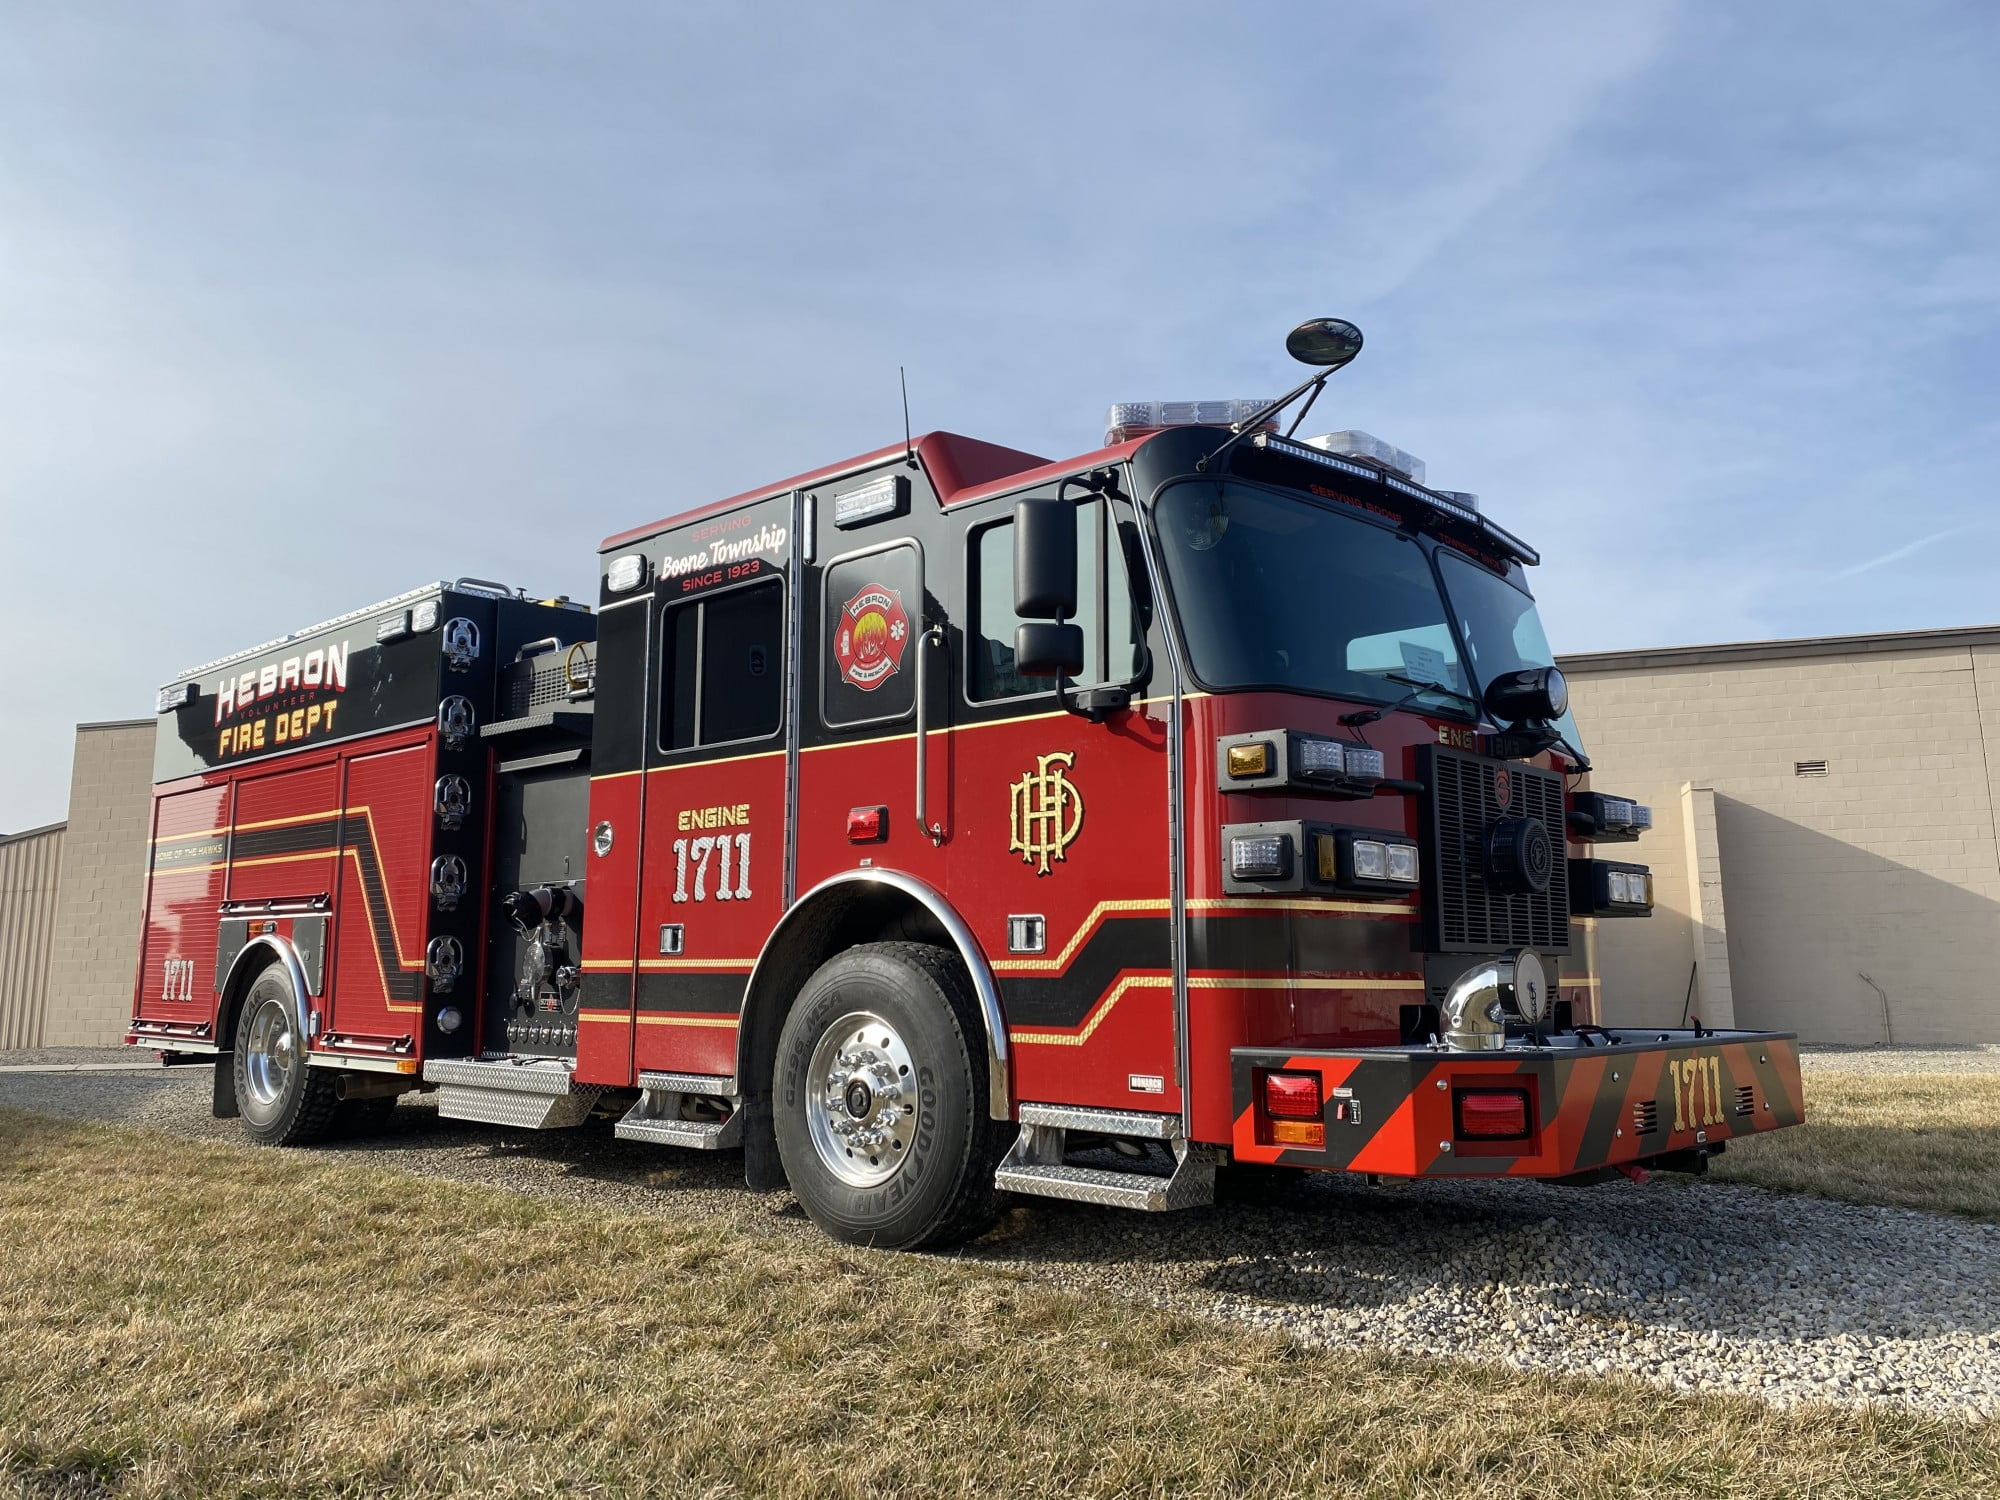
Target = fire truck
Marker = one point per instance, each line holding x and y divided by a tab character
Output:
948	823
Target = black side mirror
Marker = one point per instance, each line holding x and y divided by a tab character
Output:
1045	561
1043	650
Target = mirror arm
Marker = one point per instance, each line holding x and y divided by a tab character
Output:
1239	430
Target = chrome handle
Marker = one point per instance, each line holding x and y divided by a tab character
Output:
934	634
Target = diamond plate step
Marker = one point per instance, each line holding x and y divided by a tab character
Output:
1121	1122
524	1111
689	1083
698	1135
1106	1188
544	1075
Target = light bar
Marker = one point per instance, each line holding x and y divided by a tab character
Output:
1599	888
172	698
1127	419
887	496
1367	445
393	627
1451	503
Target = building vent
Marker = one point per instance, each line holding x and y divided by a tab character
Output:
1808	768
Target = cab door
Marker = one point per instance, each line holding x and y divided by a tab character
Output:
1060	854
714	846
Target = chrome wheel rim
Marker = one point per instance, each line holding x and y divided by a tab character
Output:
862	1103
270	1052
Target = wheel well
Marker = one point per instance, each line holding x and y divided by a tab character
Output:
839	917
242	974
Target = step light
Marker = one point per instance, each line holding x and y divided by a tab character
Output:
1601	888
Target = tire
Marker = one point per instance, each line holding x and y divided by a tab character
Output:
282	1102
898	1023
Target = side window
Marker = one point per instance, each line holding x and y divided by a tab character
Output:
721	668
872	611
1104	608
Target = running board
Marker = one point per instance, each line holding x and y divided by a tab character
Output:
1036	1164
537	1094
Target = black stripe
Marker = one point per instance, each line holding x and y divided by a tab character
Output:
1264	942
707	994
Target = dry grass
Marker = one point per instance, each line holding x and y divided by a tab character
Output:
213	1321
1913	1140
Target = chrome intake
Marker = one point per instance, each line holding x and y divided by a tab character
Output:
1475	1009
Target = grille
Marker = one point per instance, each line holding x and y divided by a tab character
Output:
539	683
1646	1117
1746	1100
1463	911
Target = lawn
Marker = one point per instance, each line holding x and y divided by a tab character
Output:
195	1320
1912	1140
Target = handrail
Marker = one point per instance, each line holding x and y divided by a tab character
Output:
923	738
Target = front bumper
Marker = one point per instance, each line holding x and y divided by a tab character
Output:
1627	1097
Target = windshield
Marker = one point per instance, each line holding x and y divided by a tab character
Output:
1499	626
1280	591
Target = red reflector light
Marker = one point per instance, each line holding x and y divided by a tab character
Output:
1492	1114
1293	1096
867	825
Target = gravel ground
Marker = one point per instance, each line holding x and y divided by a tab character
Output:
1693	1285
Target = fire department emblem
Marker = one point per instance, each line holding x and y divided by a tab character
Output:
869	641
1503	788
1047	812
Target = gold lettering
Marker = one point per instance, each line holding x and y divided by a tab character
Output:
298	723
329	716
281	728
257	735
312	718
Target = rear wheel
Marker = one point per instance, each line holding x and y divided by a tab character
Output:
282	1101
881	1100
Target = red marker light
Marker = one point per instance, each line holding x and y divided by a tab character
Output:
867	825
1491	1114
1292	1096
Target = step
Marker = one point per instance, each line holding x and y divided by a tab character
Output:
697	1135
713	1085
523	1111
1106	1188
528	1094
511	1075
1120	1122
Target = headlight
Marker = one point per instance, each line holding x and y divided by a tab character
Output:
1261	856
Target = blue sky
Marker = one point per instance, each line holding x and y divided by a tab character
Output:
303	305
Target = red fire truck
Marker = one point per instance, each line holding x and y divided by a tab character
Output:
942	823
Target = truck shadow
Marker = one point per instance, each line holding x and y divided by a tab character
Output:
1672	1254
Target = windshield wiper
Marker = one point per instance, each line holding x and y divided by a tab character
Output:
1370	715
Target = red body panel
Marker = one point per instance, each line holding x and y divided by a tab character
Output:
347	827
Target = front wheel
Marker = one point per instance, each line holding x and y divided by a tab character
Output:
282	1101
881	1100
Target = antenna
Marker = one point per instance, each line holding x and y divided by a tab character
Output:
909	443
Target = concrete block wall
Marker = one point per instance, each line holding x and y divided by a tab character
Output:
103	887
1862	904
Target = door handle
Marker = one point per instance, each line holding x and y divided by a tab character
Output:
932	636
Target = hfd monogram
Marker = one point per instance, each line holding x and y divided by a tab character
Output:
1047	811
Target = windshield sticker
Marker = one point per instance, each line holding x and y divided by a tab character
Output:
871	636
1425	664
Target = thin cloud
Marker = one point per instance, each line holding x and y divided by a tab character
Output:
1906	550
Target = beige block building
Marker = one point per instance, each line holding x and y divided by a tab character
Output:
71	896
1824	847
